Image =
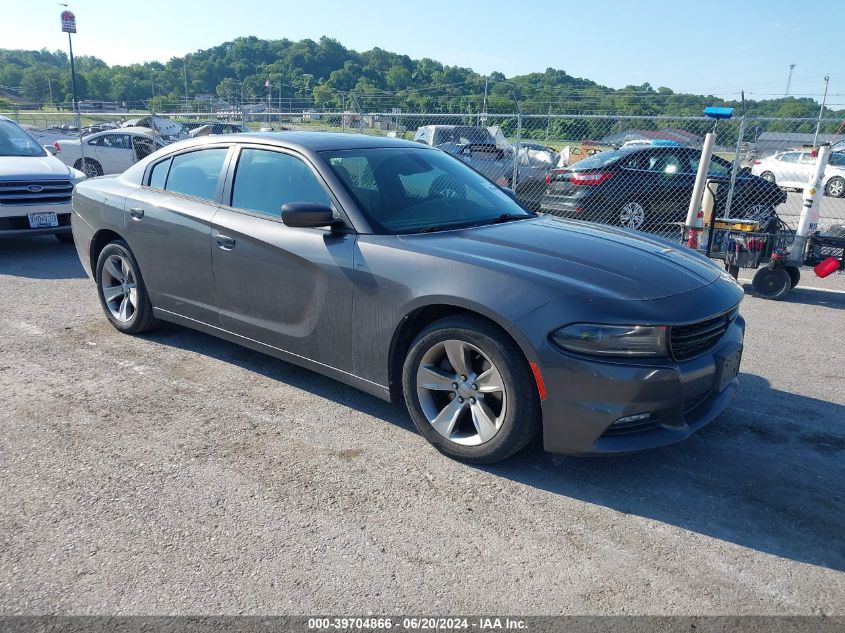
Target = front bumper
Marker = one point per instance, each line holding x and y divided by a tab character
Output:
14	220
586	396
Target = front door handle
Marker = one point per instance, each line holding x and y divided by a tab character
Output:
136	212
226	243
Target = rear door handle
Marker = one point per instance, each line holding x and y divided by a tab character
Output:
136	212
226	243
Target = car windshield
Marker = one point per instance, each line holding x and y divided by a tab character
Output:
409	190
14	141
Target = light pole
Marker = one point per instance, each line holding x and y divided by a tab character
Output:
69	27
821	112
789	80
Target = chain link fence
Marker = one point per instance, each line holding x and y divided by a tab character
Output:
635	172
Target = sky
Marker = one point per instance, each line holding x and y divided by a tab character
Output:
719	47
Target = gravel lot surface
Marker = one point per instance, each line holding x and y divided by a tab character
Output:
174	473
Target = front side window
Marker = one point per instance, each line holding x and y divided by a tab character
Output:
196	173
410	190
790	157
717	167
265	180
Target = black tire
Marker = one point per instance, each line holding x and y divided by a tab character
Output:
835	187
794	275
142	319
772	284
522	413
90	167
767	175
65	238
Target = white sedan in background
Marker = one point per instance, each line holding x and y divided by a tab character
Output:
108	152
793	168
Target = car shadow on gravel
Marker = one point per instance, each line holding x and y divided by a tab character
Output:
282	371
41	257
767	475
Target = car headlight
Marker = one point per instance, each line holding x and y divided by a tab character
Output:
613	340
76	176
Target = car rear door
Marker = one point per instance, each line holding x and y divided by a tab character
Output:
290	288
114	152
168	226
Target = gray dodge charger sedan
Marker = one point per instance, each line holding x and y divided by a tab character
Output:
397	269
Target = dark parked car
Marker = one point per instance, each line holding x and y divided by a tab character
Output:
396	269
643	187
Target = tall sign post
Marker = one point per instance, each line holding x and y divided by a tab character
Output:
69	27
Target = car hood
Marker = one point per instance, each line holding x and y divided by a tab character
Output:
578	257
33	168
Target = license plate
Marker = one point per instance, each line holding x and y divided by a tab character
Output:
730	368
43	220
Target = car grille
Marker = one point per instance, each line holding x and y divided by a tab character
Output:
35	192
689	341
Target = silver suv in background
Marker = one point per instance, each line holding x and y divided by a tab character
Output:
35	186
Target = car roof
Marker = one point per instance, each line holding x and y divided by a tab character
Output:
313	141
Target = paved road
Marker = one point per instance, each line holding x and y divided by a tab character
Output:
175	473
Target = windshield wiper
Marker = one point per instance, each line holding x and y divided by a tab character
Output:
507	217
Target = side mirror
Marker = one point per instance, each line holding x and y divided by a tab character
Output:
510	192
307	214
52	149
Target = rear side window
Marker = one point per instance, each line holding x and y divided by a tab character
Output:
196	173
158	175
265	180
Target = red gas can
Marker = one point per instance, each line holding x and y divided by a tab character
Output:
826	266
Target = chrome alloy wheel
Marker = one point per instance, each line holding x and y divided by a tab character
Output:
632	215
461	392
120	293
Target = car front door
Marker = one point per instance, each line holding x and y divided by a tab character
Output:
168	226
290	288
788	171
673	183
114	153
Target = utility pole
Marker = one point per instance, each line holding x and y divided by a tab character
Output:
821	111
50	89
789	80
185	72
484	107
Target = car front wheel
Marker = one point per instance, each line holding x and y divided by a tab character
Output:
121	289
470	391
835	187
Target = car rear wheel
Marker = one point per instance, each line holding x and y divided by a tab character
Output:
835	187
470	391
121	289
89	167
632	215
767	175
